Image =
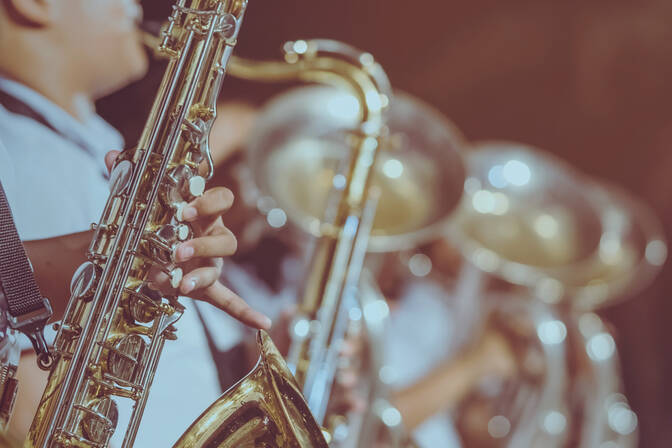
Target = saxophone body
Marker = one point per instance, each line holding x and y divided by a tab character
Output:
109	341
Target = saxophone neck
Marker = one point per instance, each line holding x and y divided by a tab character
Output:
329	62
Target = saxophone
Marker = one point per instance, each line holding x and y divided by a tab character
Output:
339	255
114	328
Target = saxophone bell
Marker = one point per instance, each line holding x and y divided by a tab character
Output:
534	221
419	172
264	409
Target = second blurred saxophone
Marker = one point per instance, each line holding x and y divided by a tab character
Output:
339	255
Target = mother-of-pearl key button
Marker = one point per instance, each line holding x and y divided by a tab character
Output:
84	280
182	232
179	208
196	186
176	277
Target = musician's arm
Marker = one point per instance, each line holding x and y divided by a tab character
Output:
441	390
448	384
55	261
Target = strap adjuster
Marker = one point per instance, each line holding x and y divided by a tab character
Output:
32	325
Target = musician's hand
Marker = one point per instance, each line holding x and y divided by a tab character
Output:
493	356
200	257
347	395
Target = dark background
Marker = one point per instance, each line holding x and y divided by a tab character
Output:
586	80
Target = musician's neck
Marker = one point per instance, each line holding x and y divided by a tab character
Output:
57	84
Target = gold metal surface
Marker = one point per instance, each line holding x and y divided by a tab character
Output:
112	334
264	409
310	167
330	144
419	172
533	220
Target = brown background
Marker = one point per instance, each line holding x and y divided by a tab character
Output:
586	80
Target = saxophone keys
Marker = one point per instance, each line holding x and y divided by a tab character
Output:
99	420
196	186
124	358
179	208
71	330
176	277
227	26
163	243
144	303
120	177
179	184
166	309
84	281
182	185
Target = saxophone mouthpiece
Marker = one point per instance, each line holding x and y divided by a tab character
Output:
150	32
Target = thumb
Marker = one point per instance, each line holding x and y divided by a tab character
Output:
110	157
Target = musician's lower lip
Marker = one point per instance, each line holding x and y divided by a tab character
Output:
137	18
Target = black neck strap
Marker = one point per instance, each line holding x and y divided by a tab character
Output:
16	106
28	310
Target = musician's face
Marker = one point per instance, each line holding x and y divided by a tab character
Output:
102	40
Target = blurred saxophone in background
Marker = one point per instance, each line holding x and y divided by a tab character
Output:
114	328
338	257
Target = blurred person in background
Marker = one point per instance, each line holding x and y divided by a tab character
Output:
435	367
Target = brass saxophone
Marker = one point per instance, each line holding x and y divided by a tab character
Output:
114	328
339	255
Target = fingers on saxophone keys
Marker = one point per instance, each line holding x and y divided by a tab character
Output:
220	245
226	300
213	203
158	280
200	278
110	157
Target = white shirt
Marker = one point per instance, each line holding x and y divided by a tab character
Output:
59	187
418	338
55	186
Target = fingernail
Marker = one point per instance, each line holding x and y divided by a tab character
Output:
189	213
185	252
189	286
266	323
